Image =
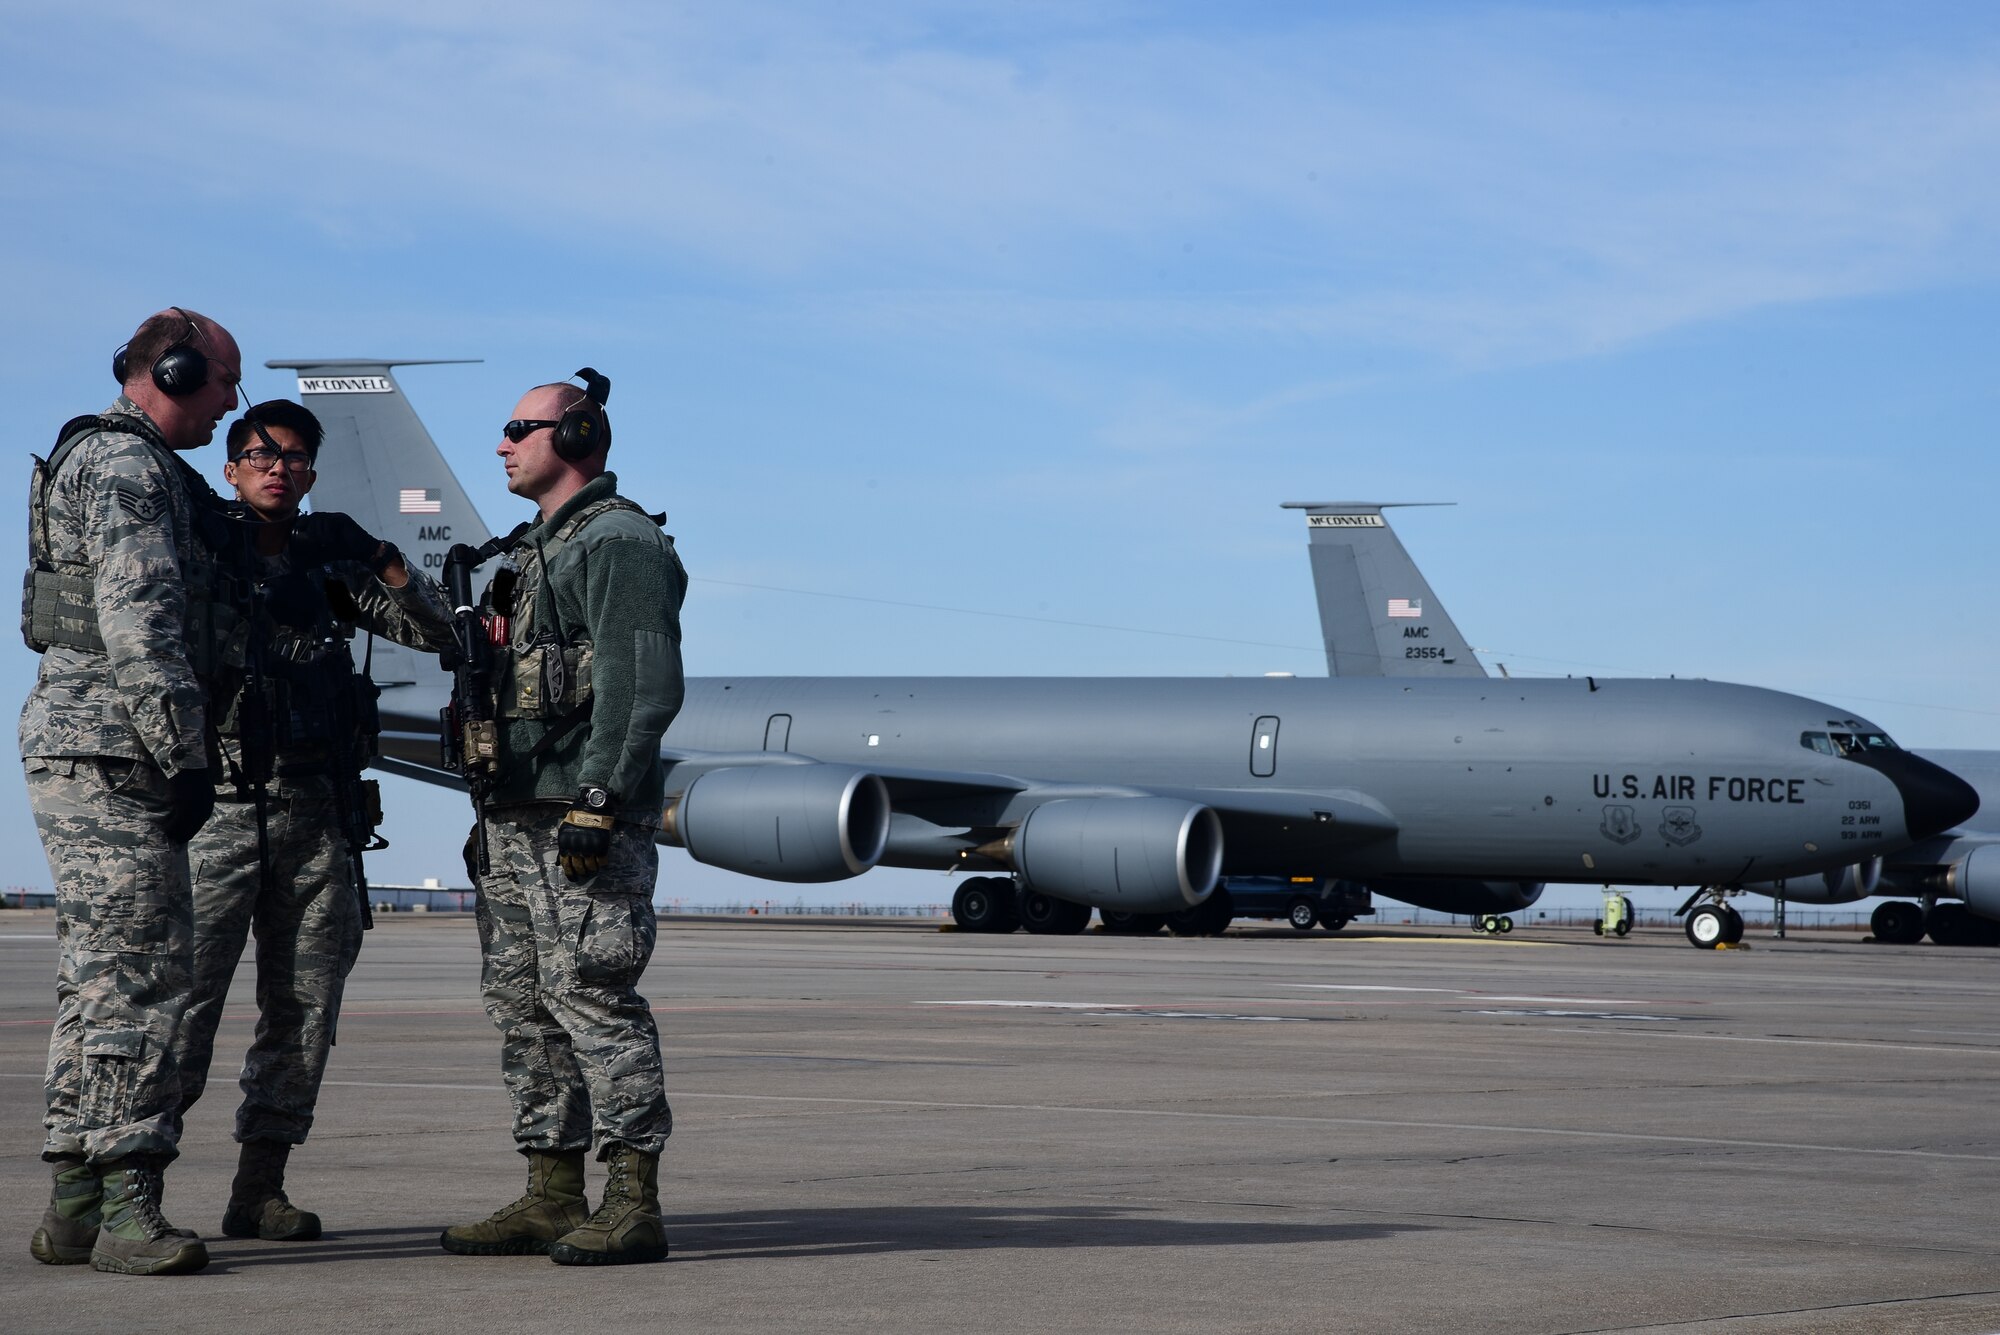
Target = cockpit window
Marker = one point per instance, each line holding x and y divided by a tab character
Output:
1846	743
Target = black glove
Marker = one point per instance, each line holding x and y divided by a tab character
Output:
471	855
321	538
190	799
583	840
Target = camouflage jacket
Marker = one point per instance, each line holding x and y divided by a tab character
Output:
306	676
592	676
126	509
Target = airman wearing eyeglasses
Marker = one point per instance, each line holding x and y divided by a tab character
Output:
283	849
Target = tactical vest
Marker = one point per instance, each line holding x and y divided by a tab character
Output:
59	598
544	674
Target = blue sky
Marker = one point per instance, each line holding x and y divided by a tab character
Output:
1042	310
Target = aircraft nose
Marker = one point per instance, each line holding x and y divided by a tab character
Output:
1934	799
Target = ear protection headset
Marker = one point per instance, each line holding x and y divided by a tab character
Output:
181	369
584	429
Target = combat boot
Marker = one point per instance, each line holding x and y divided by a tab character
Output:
553	1206
135	1239
69	1226
626	1229
257	1206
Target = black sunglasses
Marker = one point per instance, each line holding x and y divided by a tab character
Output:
519	430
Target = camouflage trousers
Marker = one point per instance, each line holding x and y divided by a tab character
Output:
560	967
307	922
125	956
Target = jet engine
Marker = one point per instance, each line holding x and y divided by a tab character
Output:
782	822
1976	878
1136	854
1842	885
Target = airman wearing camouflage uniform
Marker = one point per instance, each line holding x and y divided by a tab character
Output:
589	679
126	604
283	850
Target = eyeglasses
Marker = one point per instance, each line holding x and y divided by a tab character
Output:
519	430
295	461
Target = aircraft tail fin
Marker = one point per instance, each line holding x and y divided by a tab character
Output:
1376	611
379	465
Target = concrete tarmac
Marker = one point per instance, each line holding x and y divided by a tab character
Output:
890	1128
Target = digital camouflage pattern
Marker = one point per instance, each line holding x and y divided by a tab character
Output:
125	510
125	956
560	967
306	913
307	922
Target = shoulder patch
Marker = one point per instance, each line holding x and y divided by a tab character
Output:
142	505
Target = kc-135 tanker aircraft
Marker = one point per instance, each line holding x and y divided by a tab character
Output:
1356	557
1136	795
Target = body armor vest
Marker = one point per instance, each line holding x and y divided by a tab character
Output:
58	597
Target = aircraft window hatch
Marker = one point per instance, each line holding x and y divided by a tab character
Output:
1264	747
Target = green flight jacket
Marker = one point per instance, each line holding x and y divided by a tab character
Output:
593	656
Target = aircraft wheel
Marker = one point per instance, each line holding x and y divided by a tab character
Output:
1504	924
1126	923
1483	923
1302	915
1045	915
984	904
1949	925
1732	925
1333	922
1898	922
1707	928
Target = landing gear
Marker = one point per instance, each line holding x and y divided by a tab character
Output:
1303	914
1211	917
1121	923
1714	925
1898	923
1493	924
984	904
1045	915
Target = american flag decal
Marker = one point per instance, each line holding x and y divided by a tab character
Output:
428	501
1406	607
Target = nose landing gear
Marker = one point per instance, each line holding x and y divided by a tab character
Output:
1712	925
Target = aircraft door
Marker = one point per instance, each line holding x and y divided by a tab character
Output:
778	732
1264	747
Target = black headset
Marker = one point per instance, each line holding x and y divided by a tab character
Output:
584	429
181	369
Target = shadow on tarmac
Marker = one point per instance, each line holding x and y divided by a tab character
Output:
864	1230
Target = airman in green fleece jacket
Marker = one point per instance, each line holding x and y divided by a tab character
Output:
587	684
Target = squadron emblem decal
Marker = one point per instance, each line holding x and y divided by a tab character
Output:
1620	826
1677	825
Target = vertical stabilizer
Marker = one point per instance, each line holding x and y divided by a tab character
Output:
379	465
1376	611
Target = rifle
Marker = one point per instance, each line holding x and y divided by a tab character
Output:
357	801
468	733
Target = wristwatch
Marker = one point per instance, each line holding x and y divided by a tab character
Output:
592	798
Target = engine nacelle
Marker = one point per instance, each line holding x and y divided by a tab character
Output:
1137	854
782	822
1842	885
1976	877
1457	894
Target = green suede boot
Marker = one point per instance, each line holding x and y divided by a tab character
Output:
69	1226
257	1206
626	1229
135	1239
553	1206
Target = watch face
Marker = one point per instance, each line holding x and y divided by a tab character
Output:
596	797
